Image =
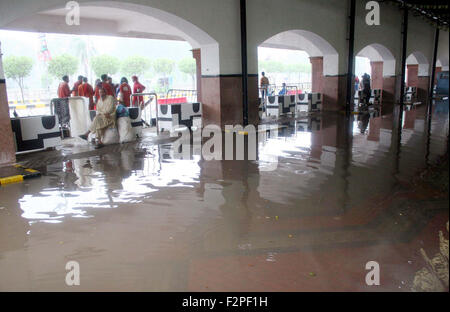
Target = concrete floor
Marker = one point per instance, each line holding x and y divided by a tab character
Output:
138	220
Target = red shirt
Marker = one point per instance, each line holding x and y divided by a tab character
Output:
75	88
138	88
125	89
63	90
107	87
86	90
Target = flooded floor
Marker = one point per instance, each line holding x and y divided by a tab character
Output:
340	193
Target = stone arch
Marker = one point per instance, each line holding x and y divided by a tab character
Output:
126	19
376	52
311	43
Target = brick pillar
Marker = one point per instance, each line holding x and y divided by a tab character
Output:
438	70
317	73
423	86
7	147
196	54
377	75
412	73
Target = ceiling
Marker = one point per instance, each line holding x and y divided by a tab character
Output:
433	11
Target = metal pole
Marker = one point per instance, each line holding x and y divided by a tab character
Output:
244	60
351	44
404	46
433	72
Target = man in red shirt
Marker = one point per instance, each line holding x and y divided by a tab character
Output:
86	90
76	85
63	88
125	92
137	88
105	85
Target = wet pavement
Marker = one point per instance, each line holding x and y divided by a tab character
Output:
136	218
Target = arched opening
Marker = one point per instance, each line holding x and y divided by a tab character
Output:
376	60
323	61
123	19
417	74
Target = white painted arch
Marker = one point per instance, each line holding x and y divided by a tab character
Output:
418	58
309	42
376	52
124	19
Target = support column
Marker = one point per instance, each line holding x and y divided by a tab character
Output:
412	75
423	86
404	46
390	93
438	70
7	147
351	57
377	75
316	73
196	54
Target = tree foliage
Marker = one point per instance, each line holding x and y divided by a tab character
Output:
135	65
188	66
105	64
164	67
17	68
61	65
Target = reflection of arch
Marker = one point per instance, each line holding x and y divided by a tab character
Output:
309	42
122	19
418	58
379	53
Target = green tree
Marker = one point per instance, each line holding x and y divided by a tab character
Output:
61	65
164	67
135	65
189	67
17	68
105	64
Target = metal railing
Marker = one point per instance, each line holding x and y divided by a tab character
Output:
146	107
190	95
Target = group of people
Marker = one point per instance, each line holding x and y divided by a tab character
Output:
120	91
264	85
111	101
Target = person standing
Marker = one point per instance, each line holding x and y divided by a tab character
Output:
367	92
124	92
86	90
63	88
137	88
105	85
76	85
264	83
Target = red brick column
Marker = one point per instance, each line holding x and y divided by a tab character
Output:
377	75
438	70
7	147
412	74
317	73
423	86
198	60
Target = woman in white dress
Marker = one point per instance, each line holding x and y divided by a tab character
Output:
105	118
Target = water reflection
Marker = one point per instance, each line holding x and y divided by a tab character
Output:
144	205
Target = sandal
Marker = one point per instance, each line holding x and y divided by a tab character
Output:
84	137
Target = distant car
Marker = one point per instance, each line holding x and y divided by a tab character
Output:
442	84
